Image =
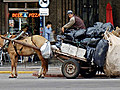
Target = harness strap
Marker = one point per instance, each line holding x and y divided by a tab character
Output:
15	48
33	41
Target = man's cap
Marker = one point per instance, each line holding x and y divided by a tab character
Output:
70	12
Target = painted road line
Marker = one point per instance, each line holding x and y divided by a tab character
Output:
20	72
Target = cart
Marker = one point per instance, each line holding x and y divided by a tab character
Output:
73	66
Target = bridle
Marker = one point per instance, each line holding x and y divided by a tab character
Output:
4	44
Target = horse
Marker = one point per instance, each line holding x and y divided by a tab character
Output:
35	40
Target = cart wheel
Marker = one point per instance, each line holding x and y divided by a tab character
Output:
71	69
88	73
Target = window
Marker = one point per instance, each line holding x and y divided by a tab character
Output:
22	5
16	5
32	5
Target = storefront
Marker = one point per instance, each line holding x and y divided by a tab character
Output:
21	13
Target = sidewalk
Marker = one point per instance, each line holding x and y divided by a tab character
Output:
53	69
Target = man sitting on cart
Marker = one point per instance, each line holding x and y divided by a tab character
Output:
75	22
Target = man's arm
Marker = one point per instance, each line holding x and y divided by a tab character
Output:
18	35
70	23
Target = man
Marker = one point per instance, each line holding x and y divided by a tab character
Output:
74	23
23	33
52	36
48	30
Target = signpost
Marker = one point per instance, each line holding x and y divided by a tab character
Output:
44	11
44	3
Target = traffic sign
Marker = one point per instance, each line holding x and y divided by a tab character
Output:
44	3
44	11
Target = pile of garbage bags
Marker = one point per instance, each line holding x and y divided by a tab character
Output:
90	39
90	36
103	51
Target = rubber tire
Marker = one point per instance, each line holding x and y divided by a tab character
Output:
87	74
77	69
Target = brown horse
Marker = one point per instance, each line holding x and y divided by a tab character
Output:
35	40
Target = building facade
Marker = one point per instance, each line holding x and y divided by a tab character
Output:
2	17
115	11
16	13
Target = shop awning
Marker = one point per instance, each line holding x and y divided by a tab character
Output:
20	0
27	9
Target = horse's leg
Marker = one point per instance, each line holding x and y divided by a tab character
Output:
40	72
12	65
43	65
16	59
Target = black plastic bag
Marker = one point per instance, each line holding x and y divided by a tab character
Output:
98	25
90	52
108	25
69	34
80	33
93	42
68	37
95	32
100	52
85	41
99	32
91	31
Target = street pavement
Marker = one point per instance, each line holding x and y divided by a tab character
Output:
26	82
54	80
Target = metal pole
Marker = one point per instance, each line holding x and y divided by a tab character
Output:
44	26
19	24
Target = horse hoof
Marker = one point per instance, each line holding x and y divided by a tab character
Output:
42	77
12	76
39	76
15	76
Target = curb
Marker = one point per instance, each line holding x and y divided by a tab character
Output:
19	72
32	72
49	75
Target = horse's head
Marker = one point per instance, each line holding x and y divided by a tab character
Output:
1	41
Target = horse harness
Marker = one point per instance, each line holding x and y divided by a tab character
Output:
22	47
33	41
16	48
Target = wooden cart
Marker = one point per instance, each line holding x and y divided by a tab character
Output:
73	66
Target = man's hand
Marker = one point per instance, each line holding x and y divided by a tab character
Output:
63	29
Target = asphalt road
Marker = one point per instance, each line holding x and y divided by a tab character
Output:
28	82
